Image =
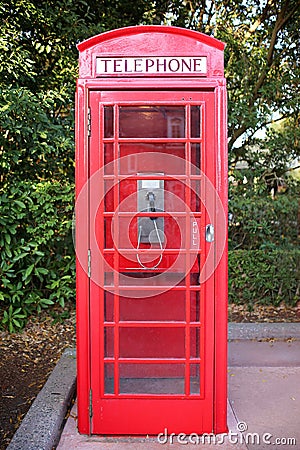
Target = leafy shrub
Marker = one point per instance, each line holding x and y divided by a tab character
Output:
37	267
36	139
263	223
37	262
272	277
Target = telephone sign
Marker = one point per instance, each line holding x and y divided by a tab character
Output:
151	211
159	65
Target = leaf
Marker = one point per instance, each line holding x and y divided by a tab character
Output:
16	322
28	272
41	270
21	204
5	107
46	301
20	256
8	251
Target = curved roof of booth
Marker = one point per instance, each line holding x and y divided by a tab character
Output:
150	41
140	29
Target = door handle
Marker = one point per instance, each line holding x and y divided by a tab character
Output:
210	233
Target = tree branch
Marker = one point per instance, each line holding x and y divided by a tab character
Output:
293	168
210	15
281	20
236	134
201	16
259	21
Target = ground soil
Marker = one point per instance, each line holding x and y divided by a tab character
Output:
27	358
26	361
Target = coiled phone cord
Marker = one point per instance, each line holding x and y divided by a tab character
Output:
160	244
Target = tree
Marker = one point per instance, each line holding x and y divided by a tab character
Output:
37	73
262	70
39	64
38	69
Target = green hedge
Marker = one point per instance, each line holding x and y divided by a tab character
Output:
257	276
37	262
263	222
37	267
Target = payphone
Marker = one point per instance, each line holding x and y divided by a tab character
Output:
150	229
151	201
151	198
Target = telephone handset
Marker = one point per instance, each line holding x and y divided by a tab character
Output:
151	198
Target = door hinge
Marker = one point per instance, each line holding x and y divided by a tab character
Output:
89	122
89	263
91	404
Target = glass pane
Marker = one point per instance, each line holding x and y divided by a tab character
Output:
175	196
108	307
165	306
108	159
172	234
194	277
152	121
108	122
195	379
195	342
195	306
196	159
195	195
143	278
128	195
152	342
195	121
108	232
109	196
138	158
108	342
152	379
109	278
109	381
169	195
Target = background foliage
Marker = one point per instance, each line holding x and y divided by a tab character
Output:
262	223
37	267
264	278
38	69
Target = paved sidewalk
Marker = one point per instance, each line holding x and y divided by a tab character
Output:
264	399
71	439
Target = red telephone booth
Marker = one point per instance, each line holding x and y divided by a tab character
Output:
151	208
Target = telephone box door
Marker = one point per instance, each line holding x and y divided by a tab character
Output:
152	203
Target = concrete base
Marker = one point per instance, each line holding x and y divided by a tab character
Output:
261	331
263	410
71	439
42	425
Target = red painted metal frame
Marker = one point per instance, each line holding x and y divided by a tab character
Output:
144	419
130	41
143	30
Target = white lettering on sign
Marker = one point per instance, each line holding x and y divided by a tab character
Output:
154	65
195	226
